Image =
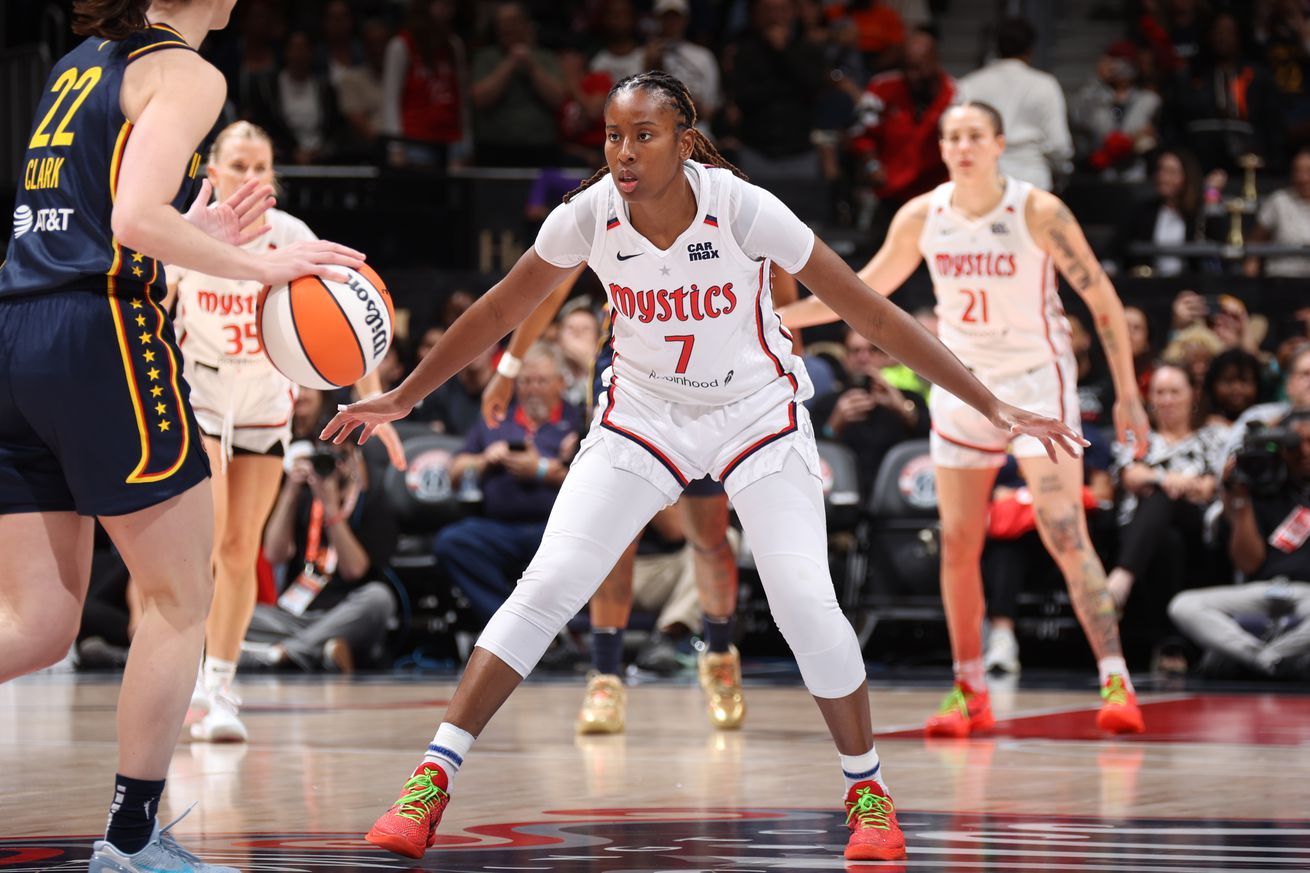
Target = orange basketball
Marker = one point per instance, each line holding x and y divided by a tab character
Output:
324	334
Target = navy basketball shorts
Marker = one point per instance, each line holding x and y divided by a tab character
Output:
94	412
704	487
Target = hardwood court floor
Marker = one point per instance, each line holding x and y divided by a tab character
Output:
1219	783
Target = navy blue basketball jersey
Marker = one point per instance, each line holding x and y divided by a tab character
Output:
61	236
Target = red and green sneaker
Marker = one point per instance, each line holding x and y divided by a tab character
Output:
871	816
410	827
1119	712
962	712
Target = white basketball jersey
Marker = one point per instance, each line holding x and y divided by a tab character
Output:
694	323
998	306
215	319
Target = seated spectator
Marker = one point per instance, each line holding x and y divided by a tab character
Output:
1164	497
359	89
1192	349
1112	119
1170	216
1037	140
520	466
1263	626
456	407
1224	106
867	411
335	535
579	339
1174	32
774	81
1296	388
425	88
339	50
694	65
517	89
899	114
1144	352
1284	218
622	53
1232	386
879	29
1288	58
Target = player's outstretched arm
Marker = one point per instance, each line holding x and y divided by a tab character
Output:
886	271
900	335
1057	232
496	396
173	99
495	313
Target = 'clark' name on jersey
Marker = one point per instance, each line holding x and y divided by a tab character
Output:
680	304
953	266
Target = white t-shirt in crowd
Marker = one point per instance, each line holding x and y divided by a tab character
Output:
1033	111
1288	219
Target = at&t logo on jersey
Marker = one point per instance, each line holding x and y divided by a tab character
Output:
680	304
43	220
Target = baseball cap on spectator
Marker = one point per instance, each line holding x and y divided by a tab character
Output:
678	6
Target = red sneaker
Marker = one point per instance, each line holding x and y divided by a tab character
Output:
410	826
871	816
962	712
1119	713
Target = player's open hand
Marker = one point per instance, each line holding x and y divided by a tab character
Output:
234	220
1130	420
316	257
1047	431
368	414
495	400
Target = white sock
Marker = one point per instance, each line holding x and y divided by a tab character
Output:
971	673
1107	667
860	768
219	674
448	748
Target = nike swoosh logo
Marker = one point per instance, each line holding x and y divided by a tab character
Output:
623	257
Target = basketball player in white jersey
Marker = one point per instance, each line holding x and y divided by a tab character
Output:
992	244
703	383
243	406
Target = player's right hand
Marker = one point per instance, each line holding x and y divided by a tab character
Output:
369	414
316	257
495	400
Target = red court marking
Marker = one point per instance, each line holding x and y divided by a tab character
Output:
1245	719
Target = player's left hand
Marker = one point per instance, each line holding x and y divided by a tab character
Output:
368	414
232	221
1047	431
1130	418
392	443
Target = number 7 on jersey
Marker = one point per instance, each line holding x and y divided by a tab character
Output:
688	341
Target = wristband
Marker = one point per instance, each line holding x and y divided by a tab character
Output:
543	467
508	366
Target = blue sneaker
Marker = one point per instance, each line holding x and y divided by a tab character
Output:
161	855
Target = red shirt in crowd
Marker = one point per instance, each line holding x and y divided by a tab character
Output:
429	102
904	141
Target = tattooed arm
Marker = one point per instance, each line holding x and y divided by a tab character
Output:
1057	232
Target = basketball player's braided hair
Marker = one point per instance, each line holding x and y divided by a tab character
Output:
677	95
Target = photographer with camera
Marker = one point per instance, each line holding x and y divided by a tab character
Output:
1263	625
520	465
1297	389
335	536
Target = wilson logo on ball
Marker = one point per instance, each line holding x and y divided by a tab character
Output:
324	334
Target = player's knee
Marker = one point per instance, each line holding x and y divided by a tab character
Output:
961	546
238	548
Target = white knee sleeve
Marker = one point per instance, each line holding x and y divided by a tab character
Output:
784	522
597	513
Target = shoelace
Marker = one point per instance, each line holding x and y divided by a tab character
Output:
1114	691
420	797
870	809
170	844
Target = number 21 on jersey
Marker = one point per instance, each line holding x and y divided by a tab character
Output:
975	311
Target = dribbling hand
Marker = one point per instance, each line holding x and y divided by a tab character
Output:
308	258
1047	431
232	221
369	414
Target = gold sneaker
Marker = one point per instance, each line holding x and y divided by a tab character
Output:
602	707
720	676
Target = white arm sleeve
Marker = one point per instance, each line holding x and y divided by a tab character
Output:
765	228
565	236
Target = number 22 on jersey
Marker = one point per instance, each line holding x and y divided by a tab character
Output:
70	82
